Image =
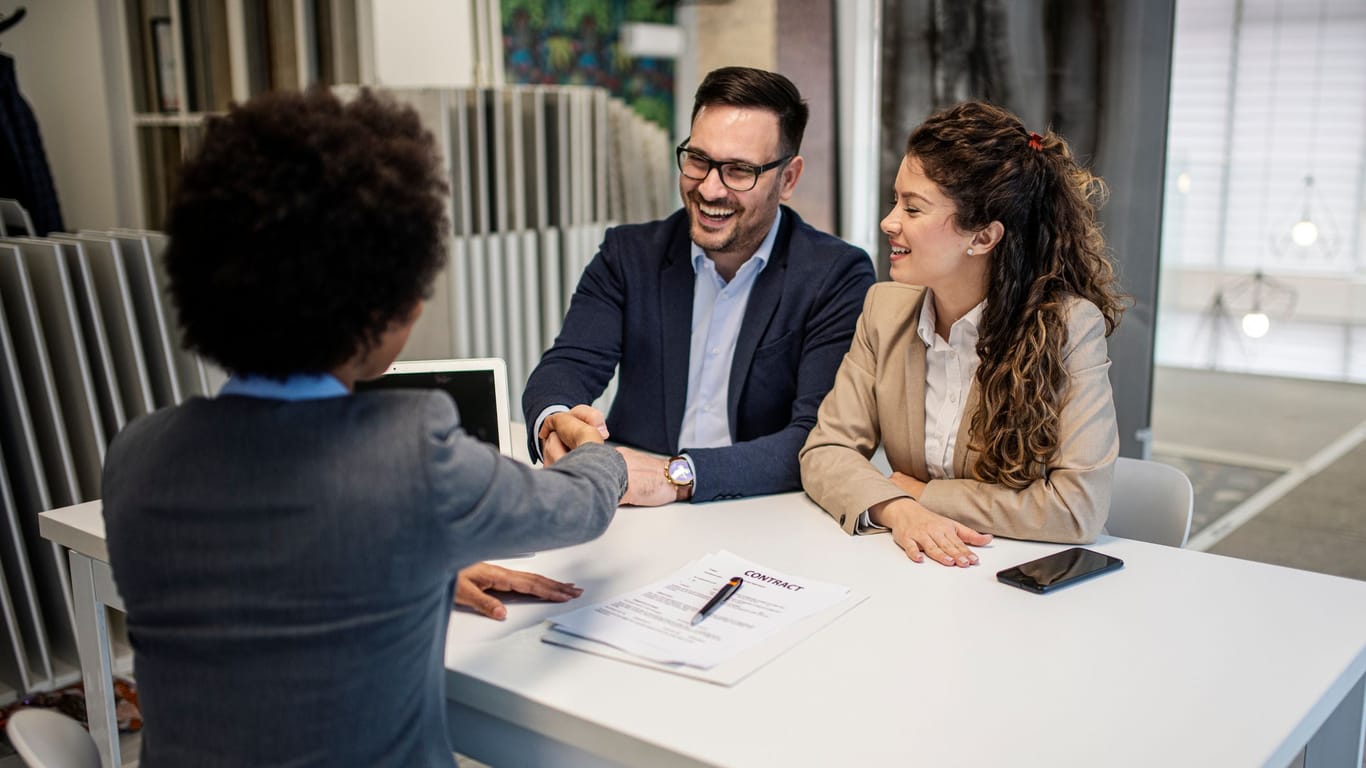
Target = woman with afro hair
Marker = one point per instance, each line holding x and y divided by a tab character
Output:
287	551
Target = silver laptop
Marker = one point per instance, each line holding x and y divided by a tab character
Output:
479	387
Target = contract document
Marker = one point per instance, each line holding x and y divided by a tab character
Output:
654	623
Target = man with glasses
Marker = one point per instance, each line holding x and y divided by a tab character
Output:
726	321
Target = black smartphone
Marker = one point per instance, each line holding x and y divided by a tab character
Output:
1059	569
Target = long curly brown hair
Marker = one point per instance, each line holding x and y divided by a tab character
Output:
992	167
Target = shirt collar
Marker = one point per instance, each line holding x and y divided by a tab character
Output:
760	256
925	330
299	386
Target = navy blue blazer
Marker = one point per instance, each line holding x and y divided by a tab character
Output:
633	308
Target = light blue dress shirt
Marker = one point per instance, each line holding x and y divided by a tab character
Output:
300	386
718	308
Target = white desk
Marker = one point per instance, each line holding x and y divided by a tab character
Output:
1181	658
80	529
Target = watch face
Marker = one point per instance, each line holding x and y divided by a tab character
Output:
679	472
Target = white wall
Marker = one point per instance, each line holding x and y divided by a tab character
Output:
60	60
425	43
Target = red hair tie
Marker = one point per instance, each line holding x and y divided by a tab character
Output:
1035	141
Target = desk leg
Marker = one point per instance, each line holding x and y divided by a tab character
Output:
92	645
1339	740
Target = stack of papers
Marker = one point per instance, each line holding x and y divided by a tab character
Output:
771	612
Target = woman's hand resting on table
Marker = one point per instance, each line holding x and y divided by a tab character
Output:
921	532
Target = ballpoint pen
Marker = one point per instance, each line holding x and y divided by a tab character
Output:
719	599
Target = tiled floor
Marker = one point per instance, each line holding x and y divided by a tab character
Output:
1235	434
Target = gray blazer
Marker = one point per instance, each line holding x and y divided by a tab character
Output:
288	567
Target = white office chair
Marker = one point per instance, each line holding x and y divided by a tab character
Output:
1151	502
47	739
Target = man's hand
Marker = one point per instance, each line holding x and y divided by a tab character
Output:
563	432
472	585
917	529
648	485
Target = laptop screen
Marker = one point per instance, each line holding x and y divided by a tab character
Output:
478	387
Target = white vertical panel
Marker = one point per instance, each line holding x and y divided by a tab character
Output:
618	123
16	291
477	293
29	637
237	49
101	359
462	222
120	321
215	376
538	174
497	314
14	219
152	325
515	180
457	275
498	142
66	355
512	310
41	446
189	371
858	26
483	218
563	165
534	340
600	154
305	46
580	155
18	669
552	285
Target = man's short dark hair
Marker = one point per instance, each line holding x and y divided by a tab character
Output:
302	228
749	87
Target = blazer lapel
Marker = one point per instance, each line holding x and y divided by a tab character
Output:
960	446
915	400
763	301
915	392
676	280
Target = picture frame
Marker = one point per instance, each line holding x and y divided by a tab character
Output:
165	64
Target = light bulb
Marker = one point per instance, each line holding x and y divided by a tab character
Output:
1183	183
1304	233
1256	324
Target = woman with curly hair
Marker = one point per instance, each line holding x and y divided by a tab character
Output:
287	550
982	367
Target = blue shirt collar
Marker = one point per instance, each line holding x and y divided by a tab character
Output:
299	386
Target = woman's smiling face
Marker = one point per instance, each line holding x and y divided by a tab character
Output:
927	247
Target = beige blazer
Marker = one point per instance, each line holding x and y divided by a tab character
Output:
879	396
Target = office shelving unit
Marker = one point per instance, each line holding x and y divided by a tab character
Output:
189	59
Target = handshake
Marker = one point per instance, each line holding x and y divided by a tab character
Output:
648	484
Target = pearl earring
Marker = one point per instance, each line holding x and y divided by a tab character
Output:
969	251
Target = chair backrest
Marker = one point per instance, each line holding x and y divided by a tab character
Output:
1151	502
47	739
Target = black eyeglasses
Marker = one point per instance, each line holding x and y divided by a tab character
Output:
738	177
